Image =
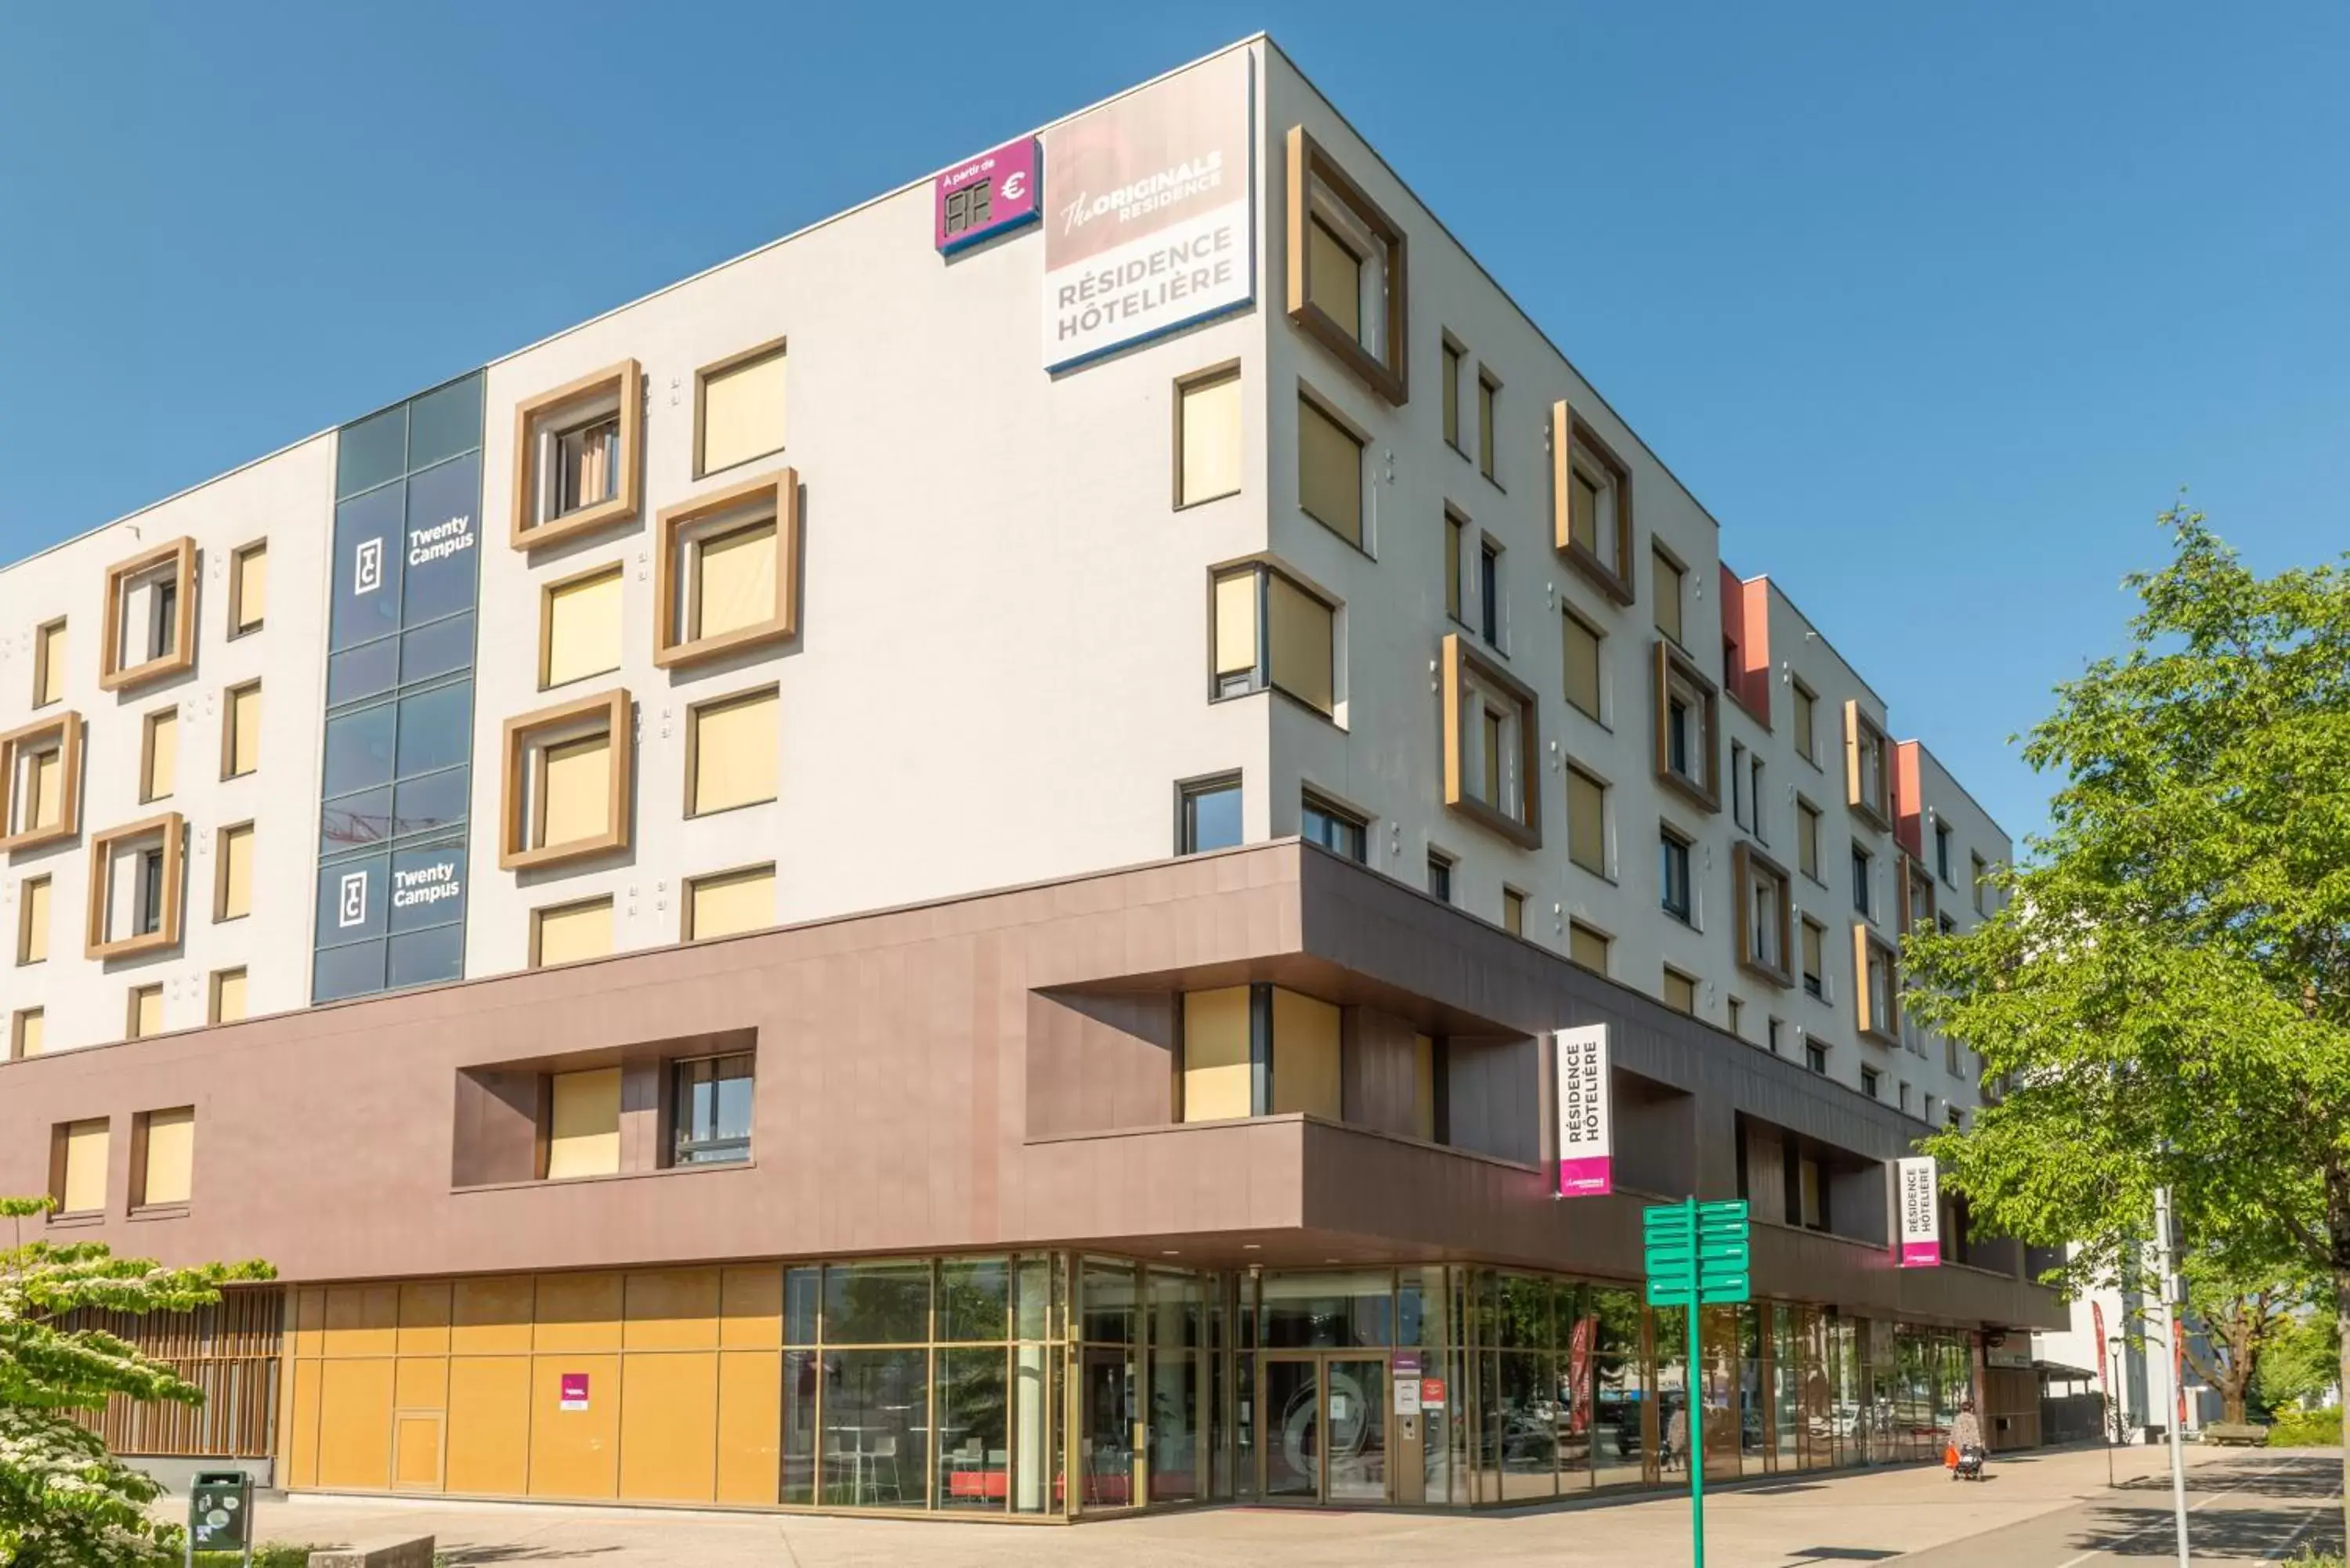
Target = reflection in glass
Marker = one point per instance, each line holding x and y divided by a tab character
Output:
435	728
367	566
712	1099
1618	1414
875	1416
876	1304
425	957
1106	1436
347	971
431	802
1037	1394
1178	1397
443	647
362	672
799	1419
441	539
1036	1313
1292	1429
973	1294
802	1289
444	423
1108	1298
1357	1410
1331	1309
974	1437
370	451
1526	1413
359	751
355	821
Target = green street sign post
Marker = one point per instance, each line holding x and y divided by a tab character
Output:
1697	1256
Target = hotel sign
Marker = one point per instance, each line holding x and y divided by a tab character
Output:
985	195
1586	1132
1921	1215
1152	223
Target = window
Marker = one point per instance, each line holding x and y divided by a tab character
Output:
1765	914
1810	1209
1208	437
150	607
1258	1049
1758	813
1211	814
1450	393
40	783
566	782
1439	875
1218	1070
1514	911
1489	591
1807	718
233	874
1671	588
134	875
1583	682
1942	853
241	731
578	450
1491	750
1958	1122
1867	777
1869	1084
1591	504
1347	268
1878	997
1271	632
1772	1028
49	664
145	1012
1981	871
730	903
159	754
1737	1012
228	999
1815	1057
1815	968
1333	829
566	933
726	577
1864	878
77	1167
248	587
1673	875
738	409
33	920
713	1096
583	1124
1588	947
580	627
1329	471
1489	397
1586	821
1679	991
1738	783
730	752
25	1033
1456	542
1917	908
1808	839
1688	715
164	1159
1945	924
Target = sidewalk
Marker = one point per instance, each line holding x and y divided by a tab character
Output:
1844	1517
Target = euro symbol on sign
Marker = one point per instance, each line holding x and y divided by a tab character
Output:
1016	186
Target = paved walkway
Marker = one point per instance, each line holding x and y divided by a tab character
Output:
2052	1507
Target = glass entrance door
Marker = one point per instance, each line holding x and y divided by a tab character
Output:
1324	1432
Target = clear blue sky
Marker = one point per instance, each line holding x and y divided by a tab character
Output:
1934	307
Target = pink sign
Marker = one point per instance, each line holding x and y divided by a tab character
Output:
990	194
573	1393
1921	1214
1586	1145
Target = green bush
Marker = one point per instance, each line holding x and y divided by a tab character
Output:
2306	1430
2312	1559
270	1554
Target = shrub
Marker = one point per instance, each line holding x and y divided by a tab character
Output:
2307	1429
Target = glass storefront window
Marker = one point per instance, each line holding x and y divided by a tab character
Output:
876	1304
803	1292
435	729
975	1293
431	651
974	1436
1108	1293
359	751
799	1421
1330	1310
1037	1305
876	1423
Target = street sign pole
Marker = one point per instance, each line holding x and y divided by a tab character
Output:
1695	1458
1697	1256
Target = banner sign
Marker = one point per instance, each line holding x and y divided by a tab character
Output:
572	1393
986	195
1586	1118
1152	223
1921	1215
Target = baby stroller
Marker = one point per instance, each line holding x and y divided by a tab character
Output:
1969	1465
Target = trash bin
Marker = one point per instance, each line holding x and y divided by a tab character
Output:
220	1512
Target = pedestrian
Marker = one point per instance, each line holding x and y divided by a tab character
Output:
1677	1431
1966	1438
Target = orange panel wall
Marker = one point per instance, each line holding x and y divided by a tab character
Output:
489	1425
575	1453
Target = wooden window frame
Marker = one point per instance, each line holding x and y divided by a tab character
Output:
1606	787
1671	664
1662	554
16	1022
213	992
41	662
1808	741
525	733
21	942
1452	360
693	712
1744	861
61	1136
1263	569
1606	939
173	829
1668	971
238	627
131	1009
1388	375
1461	658
539	917
228	729
1859	727
148	794
689	886
139	1124
113	675
1570	434
546	592
671	649
1914	876
1805	807
1884	1031
702	394
220	869
626	378
1489	442
1599	672
1363	540
1185	385
65	726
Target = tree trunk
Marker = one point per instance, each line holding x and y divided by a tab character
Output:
2337	1225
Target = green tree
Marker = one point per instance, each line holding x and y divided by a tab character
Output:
2245	1318
65	1502
2164	994
2305	1362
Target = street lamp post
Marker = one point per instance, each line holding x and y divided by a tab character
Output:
2114	1404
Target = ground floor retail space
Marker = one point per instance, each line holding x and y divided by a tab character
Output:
1059	1384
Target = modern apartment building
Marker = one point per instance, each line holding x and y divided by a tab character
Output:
935	870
